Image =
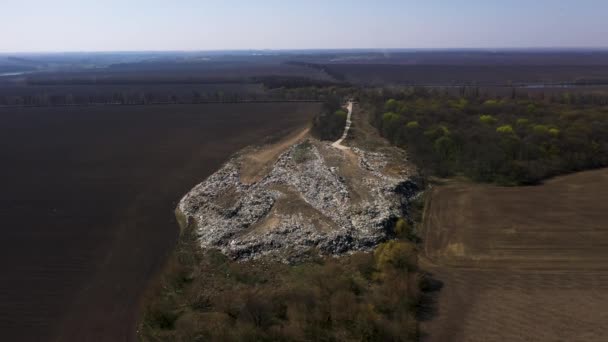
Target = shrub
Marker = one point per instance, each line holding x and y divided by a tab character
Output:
487	119
402	228
554	131
302	152
395	254
505	129
162	318
437	132
342	114
364	263
390	116
412	125
391	105
444	146
461	104
541	129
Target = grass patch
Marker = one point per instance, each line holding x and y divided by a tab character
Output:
302	152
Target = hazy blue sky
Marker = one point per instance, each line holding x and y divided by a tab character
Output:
84	25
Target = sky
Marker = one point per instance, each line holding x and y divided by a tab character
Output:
154	25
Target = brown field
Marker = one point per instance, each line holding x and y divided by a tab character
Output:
85	93
87	205
519	264
482	75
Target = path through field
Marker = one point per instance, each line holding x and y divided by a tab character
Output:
338	143
519	264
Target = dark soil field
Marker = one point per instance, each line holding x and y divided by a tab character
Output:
470	67
87	205
223	71
86	91
484	75
520	264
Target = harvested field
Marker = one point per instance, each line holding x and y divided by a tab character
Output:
483	75
85	93
520	264
87	205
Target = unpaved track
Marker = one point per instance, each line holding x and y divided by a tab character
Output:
338	143
519	264
257	164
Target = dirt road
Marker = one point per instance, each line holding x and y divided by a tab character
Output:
338	143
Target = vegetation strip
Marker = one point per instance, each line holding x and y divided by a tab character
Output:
253	295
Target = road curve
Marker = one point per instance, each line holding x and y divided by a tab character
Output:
338	143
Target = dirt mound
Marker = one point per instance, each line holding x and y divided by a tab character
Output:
298	194
313	196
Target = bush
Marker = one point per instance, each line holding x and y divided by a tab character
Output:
161	318
412	125
461	104
403	229
505	129
487	119
391	105
302	152
395	254
554	131
541	129
390	116
341	114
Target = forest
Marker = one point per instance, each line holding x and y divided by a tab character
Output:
206	296
329	124
516	140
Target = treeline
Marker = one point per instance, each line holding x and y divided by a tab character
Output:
38	81
134	98
271	82
329	124
274	82
547	94
362	297
503	140
270	88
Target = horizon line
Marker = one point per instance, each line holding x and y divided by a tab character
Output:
413	49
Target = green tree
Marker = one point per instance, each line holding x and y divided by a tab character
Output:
505	129
487	119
